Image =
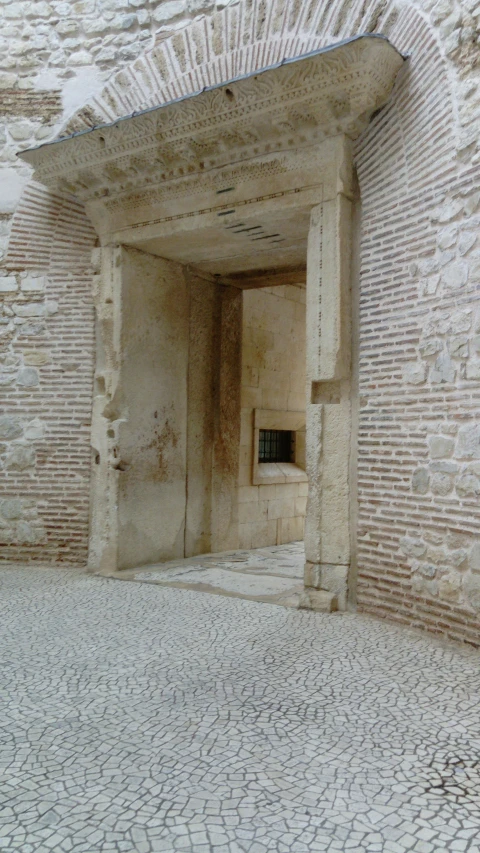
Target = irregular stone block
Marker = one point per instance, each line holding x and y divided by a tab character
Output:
455	275
420	481
473	369
9	428
20	457
29	309
467	486
447	237
458	347
8	283
466	242
426	569
35	430
468	442
414	372
36	358
431	347
33	284
11	508
443	370
474	559
445	467
26	534
449	587
423	586
441	484
440	446
471	589
28	377
412	547
167	11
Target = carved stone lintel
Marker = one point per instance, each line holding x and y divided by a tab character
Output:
285	107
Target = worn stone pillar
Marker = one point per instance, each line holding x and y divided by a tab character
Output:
327	524
139	431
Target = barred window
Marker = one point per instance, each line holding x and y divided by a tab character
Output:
276	445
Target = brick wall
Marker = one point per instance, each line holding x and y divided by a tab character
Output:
419	388
46	370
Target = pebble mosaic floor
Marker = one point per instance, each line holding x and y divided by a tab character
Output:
143	718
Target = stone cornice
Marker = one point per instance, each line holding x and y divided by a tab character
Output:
323	94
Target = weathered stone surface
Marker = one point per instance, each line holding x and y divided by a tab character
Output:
9	427
168	10
8	284
420	481
466	242
427	570
474	559
318	600
33	284
29	309
458	347
468	485
455	275
471	588
412	547
473	369
441	484
446	466
26	534
414	372
444	370
431	347
440	446
11	508
468	442
28	377
20	457
313	575
36	358
34	430
449	587
424	586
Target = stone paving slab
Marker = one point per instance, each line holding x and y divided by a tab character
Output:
142	718
273	574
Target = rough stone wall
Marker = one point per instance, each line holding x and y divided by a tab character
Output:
46	368
418	166
273	377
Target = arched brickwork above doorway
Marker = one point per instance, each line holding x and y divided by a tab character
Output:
419	269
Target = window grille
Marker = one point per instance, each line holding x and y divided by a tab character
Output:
276	445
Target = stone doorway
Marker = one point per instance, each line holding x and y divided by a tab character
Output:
194	202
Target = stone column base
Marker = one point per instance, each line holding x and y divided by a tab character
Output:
328	579
319	600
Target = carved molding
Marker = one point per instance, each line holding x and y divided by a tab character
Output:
299	103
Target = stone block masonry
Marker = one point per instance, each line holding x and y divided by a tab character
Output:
273	378
417	371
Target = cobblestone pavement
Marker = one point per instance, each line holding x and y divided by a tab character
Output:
138	717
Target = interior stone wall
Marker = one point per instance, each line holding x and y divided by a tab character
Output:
417	380
273	377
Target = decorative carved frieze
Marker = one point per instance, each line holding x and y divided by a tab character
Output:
289	106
